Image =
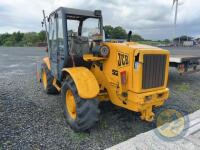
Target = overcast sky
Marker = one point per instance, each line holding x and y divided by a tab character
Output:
153	19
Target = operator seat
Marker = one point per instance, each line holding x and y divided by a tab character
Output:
78	46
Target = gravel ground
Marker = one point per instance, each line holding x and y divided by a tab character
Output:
30	119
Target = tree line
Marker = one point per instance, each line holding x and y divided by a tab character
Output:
120	33
33	38
22	39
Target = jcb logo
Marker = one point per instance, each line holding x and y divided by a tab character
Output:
123	59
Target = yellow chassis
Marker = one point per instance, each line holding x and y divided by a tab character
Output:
139	102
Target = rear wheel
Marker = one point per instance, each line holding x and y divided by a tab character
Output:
47	80
81	114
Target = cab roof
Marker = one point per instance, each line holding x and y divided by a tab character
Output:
79	12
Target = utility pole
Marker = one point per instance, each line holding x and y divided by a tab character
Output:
175	18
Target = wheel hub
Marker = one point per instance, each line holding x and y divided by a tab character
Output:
71	105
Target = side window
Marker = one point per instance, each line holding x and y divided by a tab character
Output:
52	34
60	34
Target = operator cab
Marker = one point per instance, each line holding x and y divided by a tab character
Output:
73	33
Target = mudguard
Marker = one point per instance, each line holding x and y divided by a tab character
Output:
47	62
85	81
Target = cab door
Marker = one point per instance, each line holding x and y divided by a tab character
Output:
61	55
53	44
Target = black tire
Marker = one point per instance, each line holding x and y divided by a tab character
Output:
50	88
87	110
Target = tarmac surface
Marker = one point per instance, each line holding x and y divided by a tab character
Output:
30	119
191	51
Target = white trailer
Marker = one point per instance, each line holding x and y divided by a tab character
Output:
185	63
185	59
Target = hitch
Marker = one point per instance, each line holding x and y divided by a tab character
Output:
147	114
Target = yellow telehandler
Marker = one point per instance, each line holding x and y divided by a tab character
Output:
87	70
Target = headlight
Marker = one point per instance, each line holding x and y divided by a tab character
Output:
104	51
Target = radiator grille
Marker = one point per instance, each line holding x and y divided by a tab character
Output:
153	74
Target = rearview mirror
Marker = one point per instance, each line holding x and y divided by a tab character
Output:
129	36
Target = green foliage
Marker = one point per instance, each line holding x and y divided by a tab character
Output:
22	39
155	43
30	39
17	36
4	38
119	33
137	37
149	42
166	41
108	31
115	33
42	35
8	42
33	38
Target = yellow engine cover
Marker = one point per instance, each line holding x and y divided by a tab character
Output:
131	94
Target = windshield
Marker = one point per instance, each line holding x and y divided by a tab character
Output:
91	28
72	26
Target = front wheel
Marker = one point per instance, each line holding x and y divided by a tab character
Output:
81	114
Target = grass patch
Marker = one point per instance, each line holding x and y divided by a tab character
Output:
103	124
152	43
184	87
78	137
117	136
